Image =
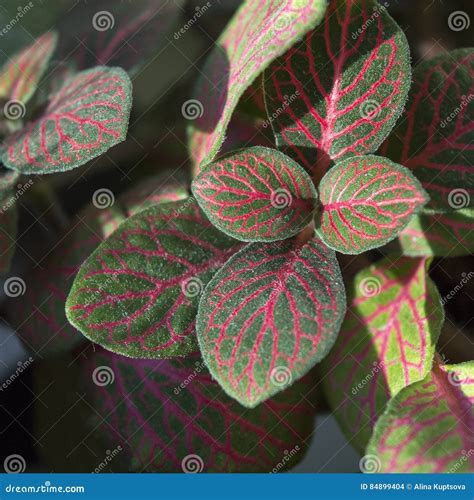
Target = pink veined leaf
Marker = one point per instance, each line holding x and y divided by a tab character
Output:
366	202
87	117
437	234
45	330
8	218
427	427
20	76
339	92
387	342
256	194
138	293
259	32
269	315
171	413
435	136
111	33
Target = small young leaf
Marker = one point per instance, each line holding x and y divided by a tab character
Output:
341	89
111	33
366	202
435	136
21	75
88	116
8	219
171	414
439	234
256	194
387	342
427	427
38	316
137	294
269	315
259	32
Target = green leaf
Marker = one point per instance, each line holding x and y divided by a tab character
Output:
439	234
387	342
86	117
8	217
366	202
19	77
137	294
38	316
256	194
269	315
435	136
171	416
258	33
427	427
339	92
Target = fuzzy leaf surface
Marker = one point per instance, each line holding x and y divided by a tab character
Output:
338	93
137	294
435	136
387	342
167	410
8	218
20	76
427	426
256	194
366	202
39	317
85	118
269	315
439	234
258	33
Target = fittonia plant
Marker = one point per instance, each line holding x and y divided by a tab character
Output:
230	297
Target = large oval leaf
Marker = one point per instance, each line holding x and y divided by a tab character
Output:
137	294
269	315
256	194
366	202
435	137
259	32
427	427
38	316
387	342
171	414
341	89
21	75
87	116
